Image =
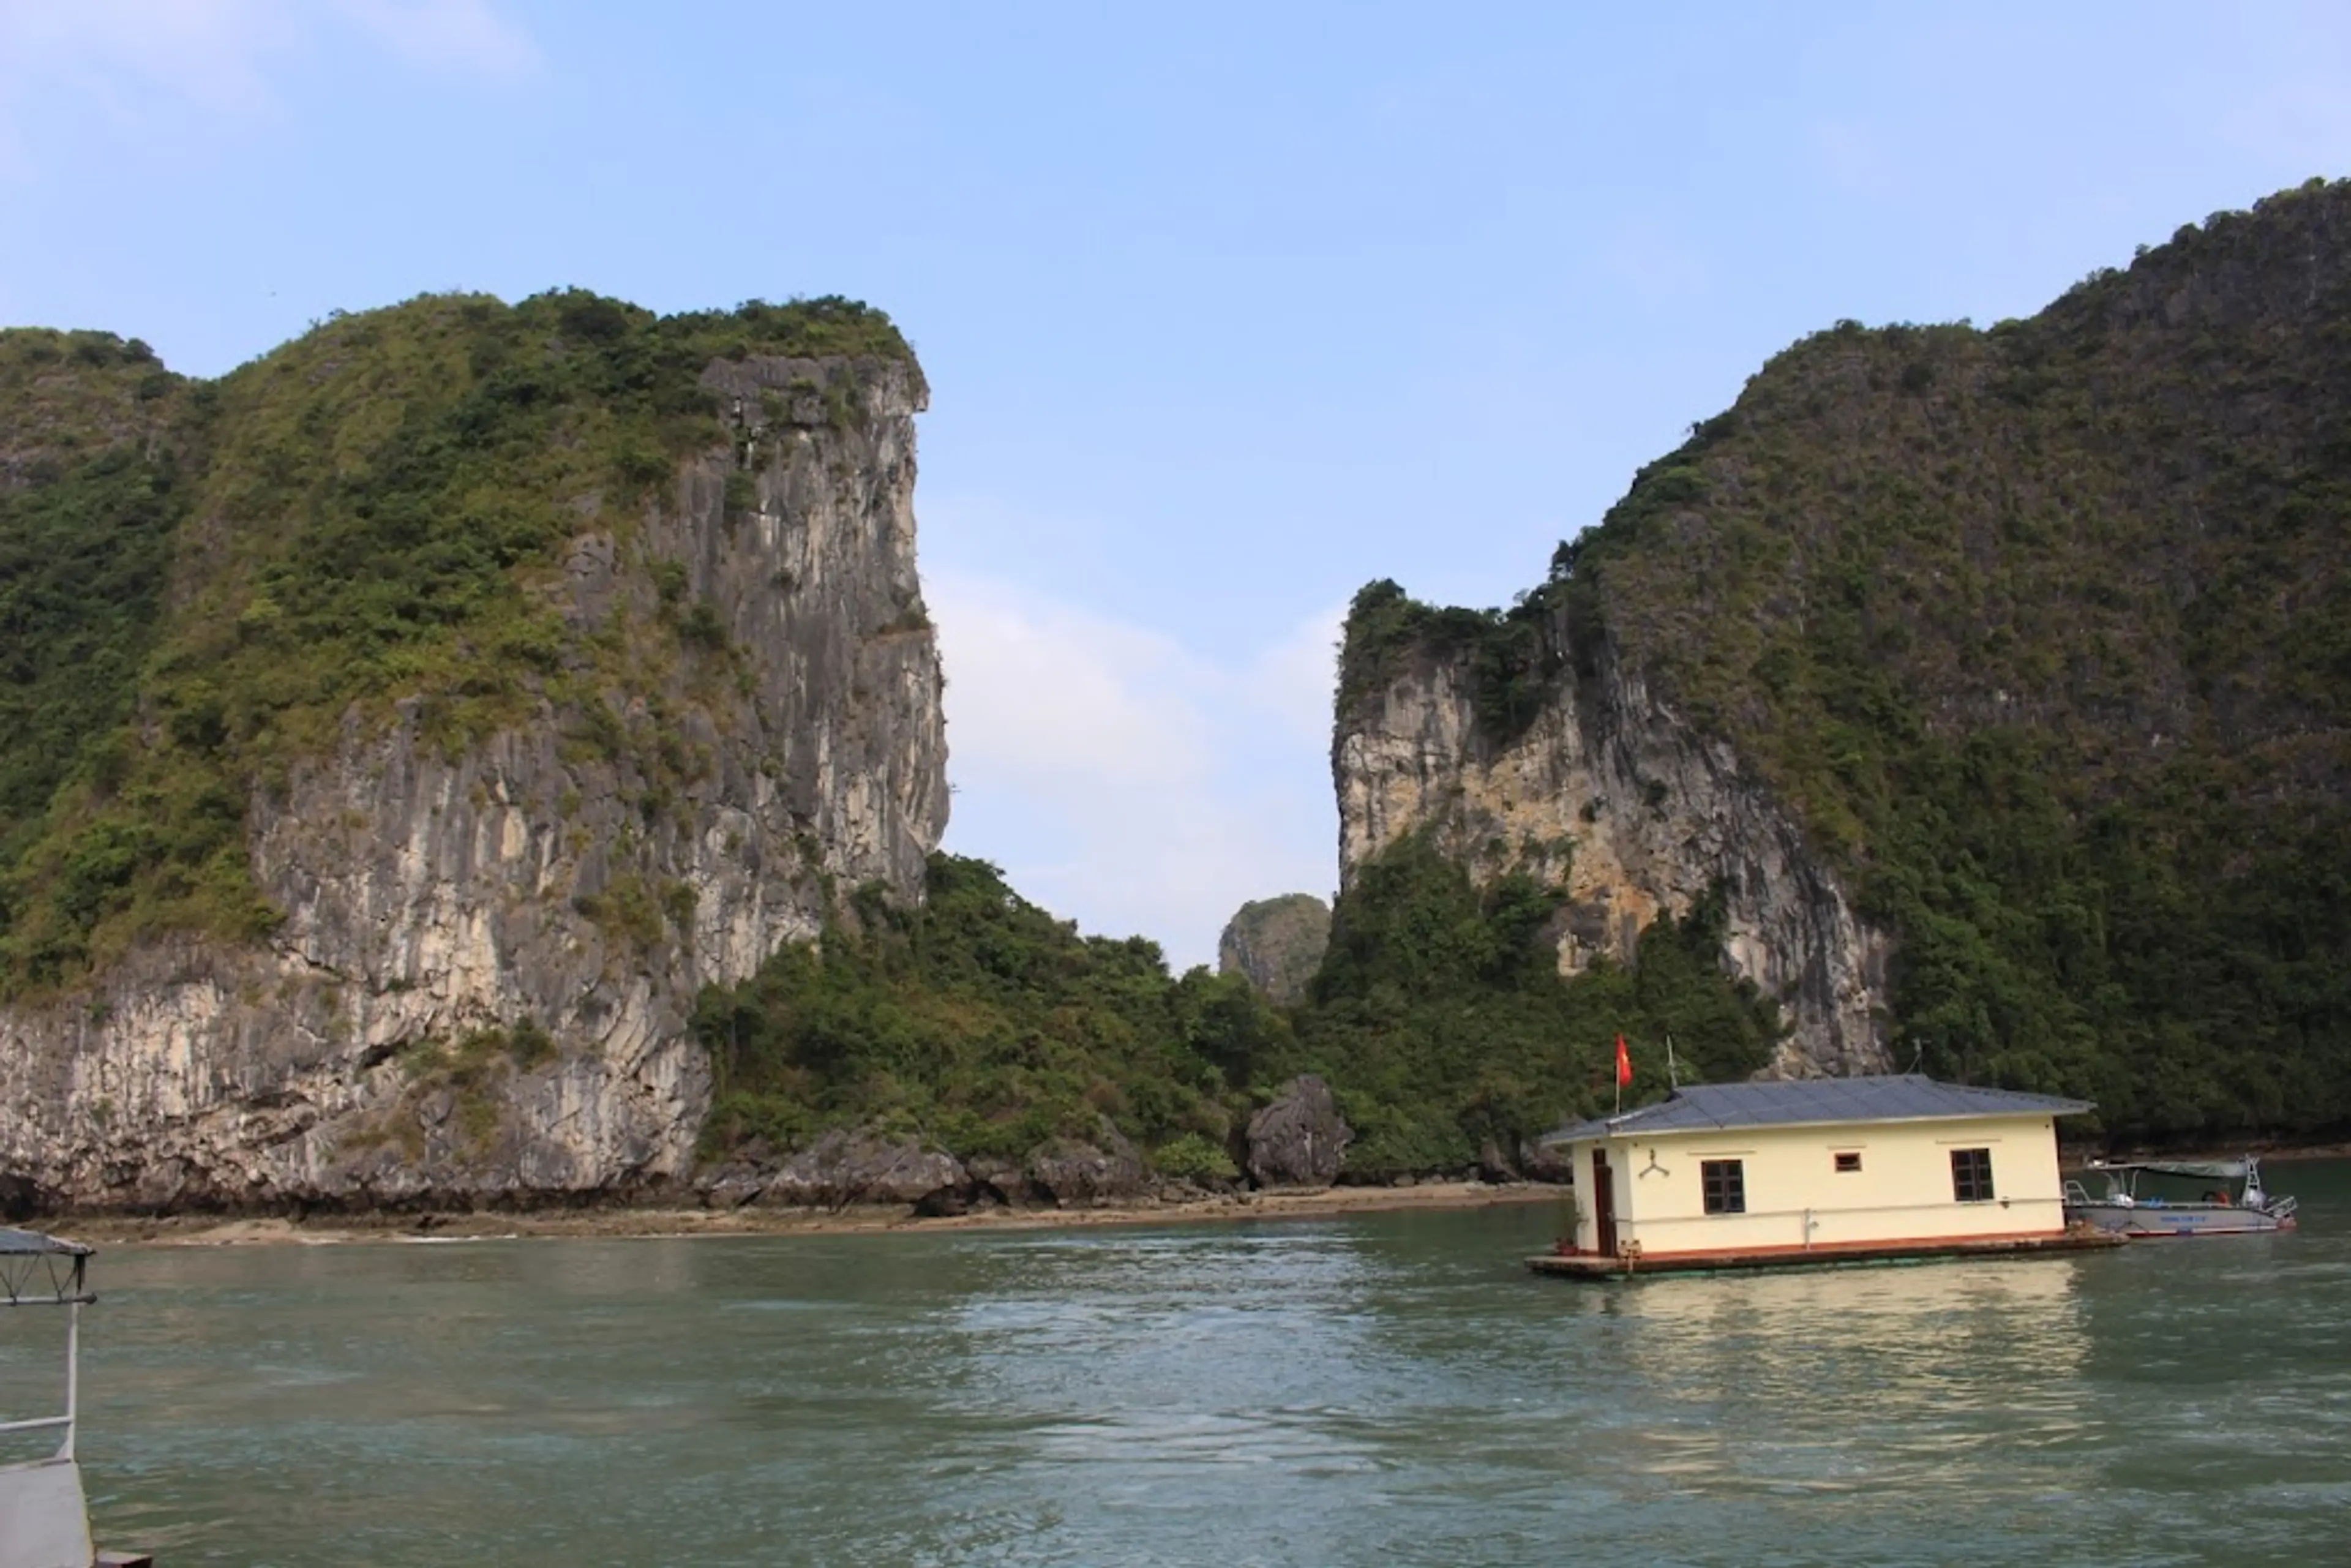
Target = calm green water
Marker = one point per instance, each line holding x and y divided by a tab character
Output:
1383	1389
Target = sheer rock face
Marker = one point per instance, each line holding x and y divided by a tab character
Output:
1277	944
1638	815
587	870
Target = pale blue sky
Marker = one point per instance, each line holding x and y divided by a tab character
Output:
1227	309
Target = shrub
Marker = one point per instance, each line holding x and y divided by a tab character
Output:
1191	1158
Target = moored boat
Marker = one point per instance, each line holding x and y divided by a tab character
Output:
2138	1199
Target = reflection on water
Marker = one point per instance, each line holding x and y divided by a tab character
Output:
1922	1377
1382	1389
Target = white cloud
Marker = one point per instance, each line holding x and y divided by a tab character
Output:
1295	679
135	65
210	53
447	34
1125	780
1043	689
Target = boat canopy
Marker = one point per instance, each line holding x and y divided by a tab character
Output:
2200	1170
20	1242
41	1269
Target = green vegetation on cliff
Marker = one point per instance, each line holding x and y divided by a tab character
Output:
982	1023
1442	1019
979	1021
200	582
1511	663
2044	631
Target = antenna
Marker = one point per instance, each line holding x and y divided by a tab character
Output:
1673	1077
1918	1053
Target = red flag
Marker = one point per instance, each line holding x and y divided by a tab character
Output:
1624	1064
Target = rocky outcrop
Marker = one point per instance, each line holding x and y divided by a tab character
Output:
1539	1162
479	989
1299	1140
1071	1173
1276	943
1609	794
841	1168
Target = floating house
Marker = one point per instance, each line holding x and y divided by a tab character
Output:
1732	1176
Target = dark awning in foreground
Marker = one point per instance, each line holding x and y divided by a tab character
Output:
32	1243
41	1270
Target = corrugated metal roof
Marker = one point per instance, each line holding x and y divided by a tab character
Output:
1893	1097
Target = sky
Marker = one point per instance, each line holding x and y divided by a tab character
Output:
1227	309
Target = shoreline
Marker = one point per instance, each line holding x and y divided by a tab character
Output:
655	1224
624	1222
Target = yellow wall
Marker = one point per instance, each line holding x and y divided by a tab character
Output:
1797	1198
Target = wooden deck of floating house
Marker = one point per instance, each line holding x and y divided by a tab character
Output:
1630	1264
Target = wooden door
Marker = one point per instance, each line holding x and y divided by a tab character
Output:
1604	1202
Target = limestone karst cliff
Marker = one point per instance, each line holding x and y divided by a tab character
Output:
475	862
1985	689
1608	795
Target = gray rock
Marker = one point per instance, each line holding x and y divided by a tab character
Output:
1072	1172
1277	945
732	1185
1003	1180
841	1168
740	1178
1300	1140
945	1203
1541	1162
1493	1165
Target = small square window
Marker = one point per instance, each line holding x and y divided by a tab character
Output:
1971	1176
1850	1161
1725	1182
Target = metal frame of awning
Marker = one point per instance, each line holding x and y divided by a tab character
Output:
37	1271
55	1278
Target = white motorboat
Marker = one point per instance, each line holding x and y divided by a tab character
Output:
2179	1198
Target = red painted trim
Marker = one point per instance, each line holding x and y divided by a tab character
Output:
1831	1249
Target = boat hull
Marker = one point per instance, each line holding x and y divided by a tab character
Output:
2137	1219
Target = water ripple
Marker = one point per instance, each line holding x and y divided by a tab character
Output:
1378	1389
